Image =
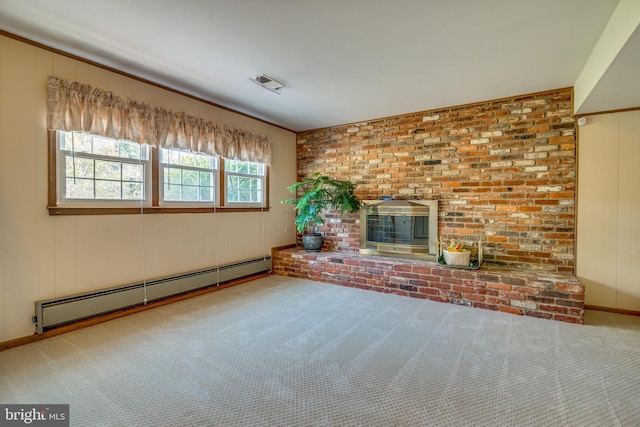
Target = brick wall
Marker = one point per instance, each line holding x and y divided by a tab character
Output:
504	171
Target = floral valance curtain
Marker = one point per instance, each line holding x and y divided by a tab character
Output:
73	106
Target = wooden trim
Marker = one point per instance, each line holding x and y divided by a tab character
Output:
121	313
222	183
573	97
267	185
53	169
155	176
612	310
599	113
134	77
58	211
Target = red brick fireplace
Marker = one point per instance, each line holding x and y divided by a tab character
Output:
503	172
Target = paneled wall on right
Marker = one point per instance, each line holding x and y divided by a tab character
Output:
608	229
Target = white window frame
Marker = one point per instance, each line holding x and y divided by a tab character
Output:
61	181
189	203
153	177
262	177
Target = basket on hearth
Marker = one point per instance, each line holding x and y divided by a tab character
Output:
456	258
455	254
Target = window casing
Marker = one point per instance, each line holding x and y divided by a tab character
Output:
98	171
188	178
245	183
90	174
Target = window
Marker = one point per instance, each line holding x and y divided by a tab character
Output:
188	177
245	183
90	174
97	170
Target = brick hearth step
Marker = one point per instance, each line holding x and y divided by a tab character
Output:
538	294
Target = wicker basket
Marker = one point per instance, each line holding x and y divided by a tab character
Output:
457	258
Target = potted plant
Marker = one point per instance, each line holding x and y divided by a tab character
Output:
314	195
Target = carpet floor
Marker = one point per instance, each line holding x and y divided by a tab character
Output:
279	351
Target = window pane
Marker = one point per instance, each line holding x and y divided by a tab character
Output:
172	192
206	194
204	162
83	167
187	159
129	150
242	189
108	190
245	168
108	170
101	146
189	177
206	178
174	157
105	147
190	194
132	172
79	188
175	176
77	142
132	191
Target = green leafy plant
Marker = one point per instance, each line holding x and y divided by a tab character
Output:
318	193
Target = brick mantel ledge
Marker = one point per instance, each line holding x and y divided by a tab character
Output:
530	293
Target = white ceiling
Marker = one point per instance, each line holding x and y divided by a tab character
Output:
342	61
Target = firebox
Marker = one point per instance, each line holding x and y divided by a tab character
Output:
399	228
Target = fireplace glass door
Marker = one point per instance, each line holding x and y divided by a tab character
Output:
398	229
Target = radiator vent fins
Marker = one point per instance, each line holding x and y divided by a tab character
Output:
59	311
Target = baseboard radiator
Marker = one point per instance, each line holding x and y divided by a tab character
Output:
59	311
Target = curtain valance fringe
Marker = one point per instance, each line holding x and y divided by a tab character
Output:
73	106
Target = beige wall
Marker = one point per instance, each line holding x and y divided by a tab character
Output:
608	244
44	256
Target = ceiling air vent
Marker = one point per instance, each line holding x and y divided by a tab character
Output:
268	83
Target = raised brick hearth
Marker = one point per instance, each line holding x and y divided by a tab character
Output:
537	294
503	172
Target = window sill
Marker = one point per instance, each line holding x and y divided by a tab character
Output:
56	210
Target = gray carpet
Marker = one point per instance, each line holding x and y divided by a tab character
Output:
280	351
